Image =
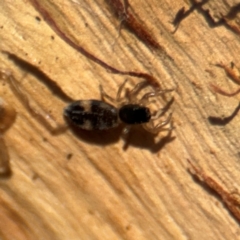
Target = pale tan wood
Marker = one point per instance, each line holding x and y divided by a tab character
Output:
102	191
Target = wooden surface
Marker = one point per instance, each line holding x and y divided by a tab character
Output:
84	187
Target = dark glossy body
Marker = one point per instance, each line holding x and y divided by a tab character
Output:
99	115
134	114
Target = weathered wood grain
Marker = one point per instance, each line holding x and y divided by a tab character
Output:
87	186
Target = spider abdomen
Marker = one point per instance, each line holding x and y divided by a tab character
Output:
134	114
92	114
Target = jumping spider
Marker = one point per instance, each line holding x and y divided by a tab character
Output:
89	114
100	115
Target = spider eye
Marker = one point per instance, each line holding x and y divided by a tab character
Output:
134	114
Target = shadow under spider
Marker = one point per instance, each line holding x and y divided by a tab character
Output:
137	137
140	138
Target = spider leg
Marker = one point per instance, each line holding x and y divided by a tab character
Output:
158	114
105	95
159	127
132	95
162	111
126	130
126	136
145	97
119	93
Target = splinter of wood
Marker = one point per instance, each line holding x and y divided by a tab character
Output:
131	23
229	199
226	20
53	24
231	73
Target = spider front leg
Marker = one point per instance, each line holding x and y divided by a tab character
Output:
105	95
118	97
145	99
119	93
132	95
159	127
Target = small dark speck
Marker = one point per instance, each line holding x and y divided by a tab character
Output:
45	139
69	156
1	27
52	37
39	62
91	212
38	19
56	58
86	24
128	227
35	176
